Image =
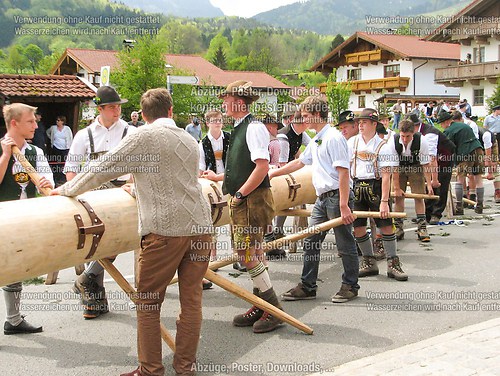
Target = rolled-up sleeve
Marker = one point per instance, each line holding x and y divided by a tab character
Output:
258	141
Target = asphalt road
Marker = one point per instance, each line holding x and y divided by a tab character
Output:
453	282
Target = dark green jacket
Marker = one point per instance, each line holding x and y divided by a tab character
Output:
464	139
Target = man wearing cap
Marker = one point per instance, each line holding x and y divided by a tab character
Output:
251	202
373	160
347	125
101	136
328	155
134	120
469	157
441	165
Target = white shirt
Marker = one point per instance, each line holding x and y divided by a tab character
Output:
432	142
42	168
423	155
105	139
387	156
284	148
487	140
257	138
474	127
326	151
217	145
60	139
492	123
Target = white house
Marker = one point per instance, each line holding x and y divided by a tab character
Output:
386	68
476	29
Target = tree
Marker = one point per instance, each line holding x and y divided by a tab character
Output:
34	54
494	100
180	38
337	41
141	68
338	94
220	58
16	60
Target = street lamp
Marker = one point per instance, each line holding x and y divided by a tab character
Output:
169	87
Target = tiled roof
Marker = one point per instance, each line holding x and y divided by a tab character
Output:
473	9
208	73
16	85
414	47
405	46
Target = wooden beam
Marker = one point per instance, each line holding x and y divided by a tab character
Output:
474	81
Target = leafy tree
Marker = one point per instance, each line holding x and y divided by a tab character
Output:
34	54
494	100
219	45
179	38
16	60
141	68
337	41
338	94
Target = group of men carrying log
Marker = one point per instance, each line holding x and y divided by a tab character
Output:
348	175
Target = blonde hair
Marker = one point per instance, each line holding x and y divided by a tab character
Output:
15	111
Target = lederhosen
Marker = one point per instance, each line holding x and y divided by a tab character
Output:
210	157
94	155
367	192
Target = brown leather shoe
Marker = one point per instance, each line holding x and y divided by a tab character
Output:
135	372
249	317
267	323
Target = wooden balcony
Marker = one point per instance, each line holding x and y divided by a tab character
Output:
474	73
366	57
378	85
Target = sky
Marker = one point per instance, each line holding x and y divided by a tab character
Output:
249	8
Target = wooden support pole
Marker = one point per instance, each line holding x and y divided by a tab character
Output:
130	291
417	195
256	301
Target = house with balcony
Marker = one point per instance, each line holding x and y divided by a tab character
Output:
385	68
476	30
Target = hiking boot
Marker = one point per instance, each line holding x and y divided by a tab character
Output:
400	233
379	250
394	269
368	266
434	220
422	233
251	316
93	296
460	209
268	322
298	293
497	196
345	294
479	207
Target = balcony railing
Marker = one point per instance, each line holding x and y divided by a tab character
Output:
379	84
366	57
465	72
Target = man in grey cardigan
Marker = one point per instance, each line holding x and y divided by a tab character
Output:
174	222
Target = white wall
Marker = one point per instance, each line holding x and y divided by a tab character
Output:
424	78
491	51
467	92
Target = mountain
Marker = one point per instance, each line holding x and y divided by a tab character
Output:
179	8
346	17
